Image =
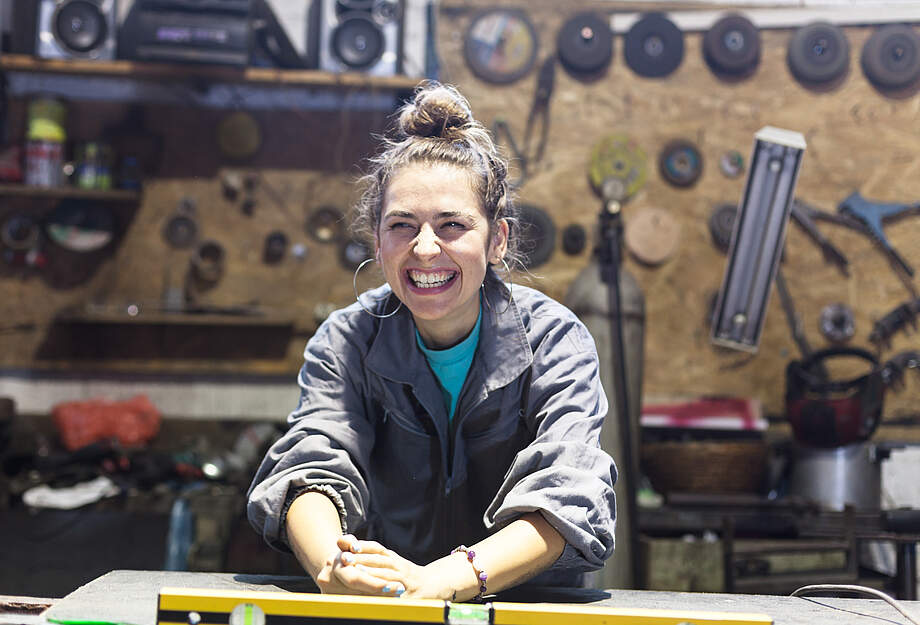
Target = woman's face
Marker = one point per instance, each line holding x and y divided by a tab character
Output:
434	246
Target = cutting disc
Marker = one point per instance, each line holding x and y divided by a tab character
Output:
326	224
652	236
574	239
500	45
585	44
617	168
19	232
818	53
732	46
654	46
680	163
731	163
353	252
721	226
891	57
537	235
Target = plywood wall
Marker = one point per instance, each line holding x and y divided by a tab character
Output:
858	139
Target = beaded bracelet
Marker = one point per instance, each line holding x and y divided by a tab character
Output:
482	575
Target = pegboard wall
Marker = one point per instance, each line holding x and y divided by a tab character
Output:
859	139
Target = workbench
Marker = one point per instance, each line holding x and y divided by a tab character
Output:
130	597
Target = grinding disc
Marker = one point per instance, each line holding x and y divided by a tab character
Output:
618	161
500	45
574	239
652	236
721	226
891	57
731	163
654	46
818	53
537	235
680	163
326	225
732	46
239	135
81	226
180	231
353	252
19	232
585	44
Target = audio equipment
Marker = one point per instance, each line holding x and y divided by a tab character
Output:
197	31
83	29
360	36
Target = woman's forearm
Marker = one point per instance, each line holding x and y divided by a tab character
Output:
313	526
512	555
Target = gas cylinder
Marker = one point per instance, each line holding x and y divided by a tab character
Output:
588	298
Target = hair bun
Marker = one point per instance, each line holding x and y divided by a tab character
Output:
436	111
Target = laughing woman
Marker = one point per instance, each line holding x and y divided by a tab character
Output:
444	408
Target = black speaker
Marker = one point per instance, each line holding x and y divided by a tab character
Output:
75	29
360	36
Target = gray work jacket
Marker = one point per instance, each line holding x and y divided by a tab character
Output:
371	431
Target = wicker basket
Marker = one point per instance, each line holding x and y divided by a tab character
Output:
705	466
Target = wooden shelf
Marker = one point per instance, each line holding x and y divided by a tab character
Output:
115	195
169	71
155	315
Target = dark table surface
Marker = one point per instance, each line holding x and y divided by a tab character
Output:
131	597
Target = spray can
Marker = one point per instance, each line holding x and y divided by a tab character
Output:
45	139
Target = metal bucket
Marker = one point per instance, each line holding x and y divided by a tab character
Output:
837	477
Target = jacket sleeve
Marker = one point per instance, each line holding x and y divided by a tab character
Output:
326	446
564	473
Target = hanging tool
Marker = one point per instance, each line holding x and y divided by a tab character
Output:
802	215
538	115
872	214
502	132
539	110
900	317
795	322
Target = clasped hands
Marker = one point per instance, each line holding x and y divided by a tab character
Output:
365	567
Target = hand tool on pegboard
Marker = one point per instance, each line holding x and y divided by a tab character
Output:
802	215
522	153
872	214
899	318
852	222
795	322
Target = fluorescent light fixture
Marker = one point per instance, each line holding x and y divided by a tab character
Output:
757	240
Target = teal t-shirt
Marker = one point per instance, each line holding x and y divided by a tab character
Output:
452	365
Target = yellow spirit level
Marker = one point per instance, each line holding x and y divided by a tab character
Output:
191	606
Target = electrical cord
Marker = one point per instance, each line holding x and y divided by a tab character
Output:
817	588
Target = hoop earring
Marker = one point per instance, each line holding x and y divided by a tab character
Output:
354	284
